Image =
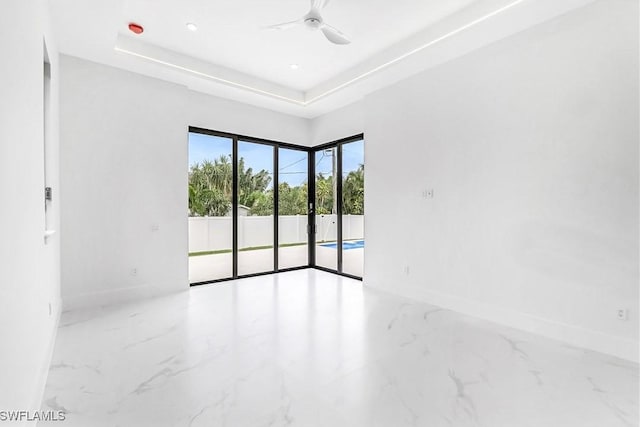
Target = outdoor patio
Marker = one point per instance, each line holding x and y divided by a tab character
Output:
217	266
210	240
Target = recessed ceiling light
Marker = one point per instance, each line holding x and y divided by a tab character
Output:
294	66
191	26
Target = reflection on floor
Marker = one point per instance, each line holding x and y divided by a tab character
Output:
308	348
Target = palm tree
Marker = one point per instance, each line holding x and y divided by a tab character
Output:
251	186
324	194
210	187
353	192
292	200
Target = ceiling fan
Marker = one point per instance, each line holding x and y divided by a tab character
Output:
313	20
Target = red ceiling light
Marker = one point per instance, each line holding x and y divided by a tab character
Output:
136	28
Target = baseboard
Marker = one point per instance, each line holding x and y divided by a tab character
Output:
621	347
116	296
44	368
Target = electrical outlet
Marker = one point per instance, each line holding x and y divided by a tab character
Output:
406	270
134	271
623	314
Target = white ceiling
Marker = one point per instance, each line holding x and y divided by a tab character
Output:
231	33
234	56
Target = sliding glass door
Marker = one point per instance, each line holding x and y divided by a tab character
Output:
248	206
259	207
326	204
255	208
210	201
293	182
353	208
339	204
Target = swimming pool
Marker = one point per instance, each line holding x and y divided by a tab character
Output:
346	245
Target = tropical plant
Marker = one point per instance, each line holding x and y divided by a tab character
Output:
353	192
251	187
324	194
292	200
211	188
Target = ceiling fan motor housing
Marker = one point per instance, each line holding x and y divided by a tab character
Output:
313	21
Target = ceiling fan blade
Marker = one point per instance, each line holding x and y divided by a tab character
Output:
334	35
318	4
285	25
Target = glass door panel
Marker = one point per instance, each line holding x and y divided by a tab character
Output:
353	208
293	176
210	200
255	208
326	208
232	234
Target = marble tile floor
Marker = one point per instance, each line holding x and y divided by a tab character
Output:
308	348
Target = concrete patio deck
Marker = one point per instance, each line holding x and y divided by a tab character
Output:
219	266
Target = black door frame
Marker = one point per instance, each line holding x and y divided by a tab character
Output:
339	235
311	196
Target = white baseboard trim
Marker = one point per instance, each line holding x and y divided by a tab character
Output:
621	347
46	363
116	296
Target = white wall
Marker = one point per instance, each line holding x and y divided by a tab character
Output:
223	115
124	161
29	270
342	123
531	146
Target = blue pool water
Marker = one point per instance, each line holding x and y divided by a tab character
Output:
352	244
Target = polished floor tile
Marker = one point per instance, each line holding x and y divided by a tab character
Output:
308	348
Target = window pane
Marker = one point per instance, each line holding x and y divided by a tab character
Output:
292	208
326	208
255	208
210	198
353	208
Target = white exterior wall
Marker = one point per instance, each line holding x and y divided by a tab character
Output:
215	233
